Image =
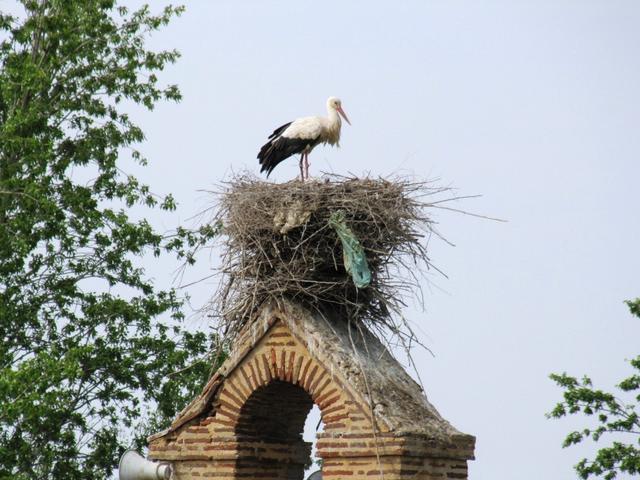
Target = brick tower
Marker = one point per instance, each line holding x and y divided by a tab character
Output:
248	421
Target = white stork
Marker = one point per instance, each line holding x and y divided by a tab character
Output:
301	136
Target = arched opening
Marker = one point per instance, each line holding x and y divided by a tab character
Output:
275	413
270	432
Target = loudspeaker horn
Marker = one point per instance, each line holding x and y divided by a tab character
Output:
134	467
317	475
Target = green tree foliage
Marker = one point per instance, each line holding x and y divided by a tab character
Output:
612	416
90	347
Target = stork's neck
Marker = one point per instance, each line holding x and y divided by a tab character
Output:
335	122
333	127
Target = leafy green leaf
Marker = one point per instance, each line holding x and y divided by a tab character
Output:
91	348
613	417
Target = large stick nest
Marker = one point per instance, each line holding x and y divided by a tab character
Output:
277	242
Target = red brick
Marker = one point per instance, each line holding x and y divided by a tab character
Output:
232	416
280	334
194	440
249	383
274	364
197	429
309	378
296	371
289	372
323	397
238	390
321	445
334	426
316	394
267	370
283	355
259	381
303	375
229	406
236	400
314	384
335	418
227	423
219	448
333	409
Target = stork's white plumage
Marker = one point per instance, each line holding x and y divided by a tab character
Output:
301	136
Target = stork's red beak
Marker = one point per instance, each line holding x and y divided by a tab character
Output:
344	115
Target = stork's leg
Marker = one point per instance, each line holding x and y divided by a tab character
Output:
306	164
302	166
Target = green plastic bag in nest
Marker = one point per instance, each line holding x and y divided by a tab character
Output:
355	260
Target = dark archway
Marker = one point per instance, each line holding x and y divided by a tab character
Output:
272	420
274	413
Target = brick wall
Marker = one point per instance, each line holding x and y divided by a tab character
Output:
253	426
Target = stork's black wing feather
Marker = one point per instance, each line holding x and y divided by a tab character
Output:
279	148
278	131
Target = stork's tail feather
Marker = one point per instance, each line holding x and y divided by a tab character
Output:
269	157
275	151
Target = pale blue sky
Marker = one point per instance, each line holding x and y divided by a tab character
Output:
535	105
